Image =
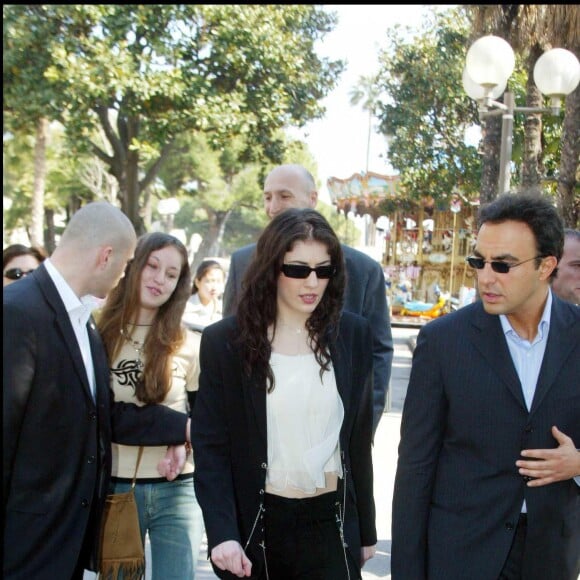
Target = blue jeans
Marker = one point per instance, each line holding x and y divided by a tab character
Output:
169	511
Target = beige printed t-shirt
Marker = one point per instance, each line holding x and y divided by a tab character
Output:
124	373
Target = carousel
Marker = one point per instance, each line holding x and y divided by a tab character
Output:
423	242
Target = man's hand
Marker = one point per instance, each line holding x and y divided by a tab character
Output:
551	465
230	556
172	464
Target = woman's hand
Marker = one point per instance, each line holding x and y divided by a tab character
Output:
230	556
172	464
366	553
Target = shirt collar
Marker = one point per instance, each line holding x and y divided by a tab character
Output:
79	308
543	325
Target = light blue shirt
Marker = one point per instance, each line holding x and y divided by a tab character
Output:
528	356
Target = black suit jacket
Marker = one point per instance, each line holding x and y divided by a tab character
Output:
56	439
230	440
458	493
365	295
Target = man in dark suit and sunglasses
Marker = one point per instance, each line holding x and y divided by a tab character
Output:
292	185
490	384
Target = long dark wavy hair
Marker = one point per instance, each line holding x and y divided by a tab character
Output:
166	334
257	309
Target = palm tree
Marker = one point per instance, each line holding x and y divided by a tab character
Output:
366	91
563	25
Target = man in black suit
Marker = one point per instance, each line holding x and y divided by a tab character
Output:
293	186
496	381
59	416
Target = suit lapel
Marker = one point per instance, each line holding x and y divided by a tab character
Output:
63	322
487	336
561	341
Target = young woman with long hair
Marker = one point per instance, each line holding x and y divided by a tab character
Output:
154	361
282	426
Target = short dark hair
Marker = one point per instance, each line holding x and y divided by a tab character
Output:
16	250
534	210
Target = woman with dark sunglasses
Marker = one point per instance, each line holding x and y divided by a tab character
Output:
282	425
19	260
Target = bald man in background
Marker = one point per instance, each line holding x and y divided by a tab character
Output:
292	185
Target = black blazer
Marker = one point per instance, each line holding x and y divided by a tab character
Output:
458	493
230	441
56	440
365	295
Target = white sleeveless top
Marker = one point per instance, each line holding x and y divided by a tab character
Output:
304	417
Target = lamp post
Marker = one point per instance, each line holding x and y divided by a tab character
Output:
455	208
489	63
167	208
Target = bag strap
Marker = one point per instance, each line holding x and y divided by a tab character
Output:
137	466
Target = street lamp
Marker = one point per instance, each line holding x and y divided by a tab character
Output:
455	208
167	208
489	63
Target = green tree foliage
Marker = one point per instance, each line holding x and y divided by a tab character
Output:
69	183
220	195
28	97
426	112
144	74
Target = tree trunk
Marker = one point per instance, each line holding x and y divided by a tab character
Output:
490	165
211	244
37	209
532	166
50	232
568	196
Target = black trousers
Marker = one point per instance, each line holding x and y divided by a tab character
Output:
303	541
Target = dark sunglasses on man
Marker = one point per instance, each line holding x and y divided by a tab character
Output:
16	273
299	271
496	265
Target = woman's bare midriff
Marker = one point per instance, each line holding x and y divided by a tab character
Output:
331	481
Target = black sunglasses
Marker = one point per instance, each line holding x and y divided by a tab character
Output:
496	266
16	273
298	271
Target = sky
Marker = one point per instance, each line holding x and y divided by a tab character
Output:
338	142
